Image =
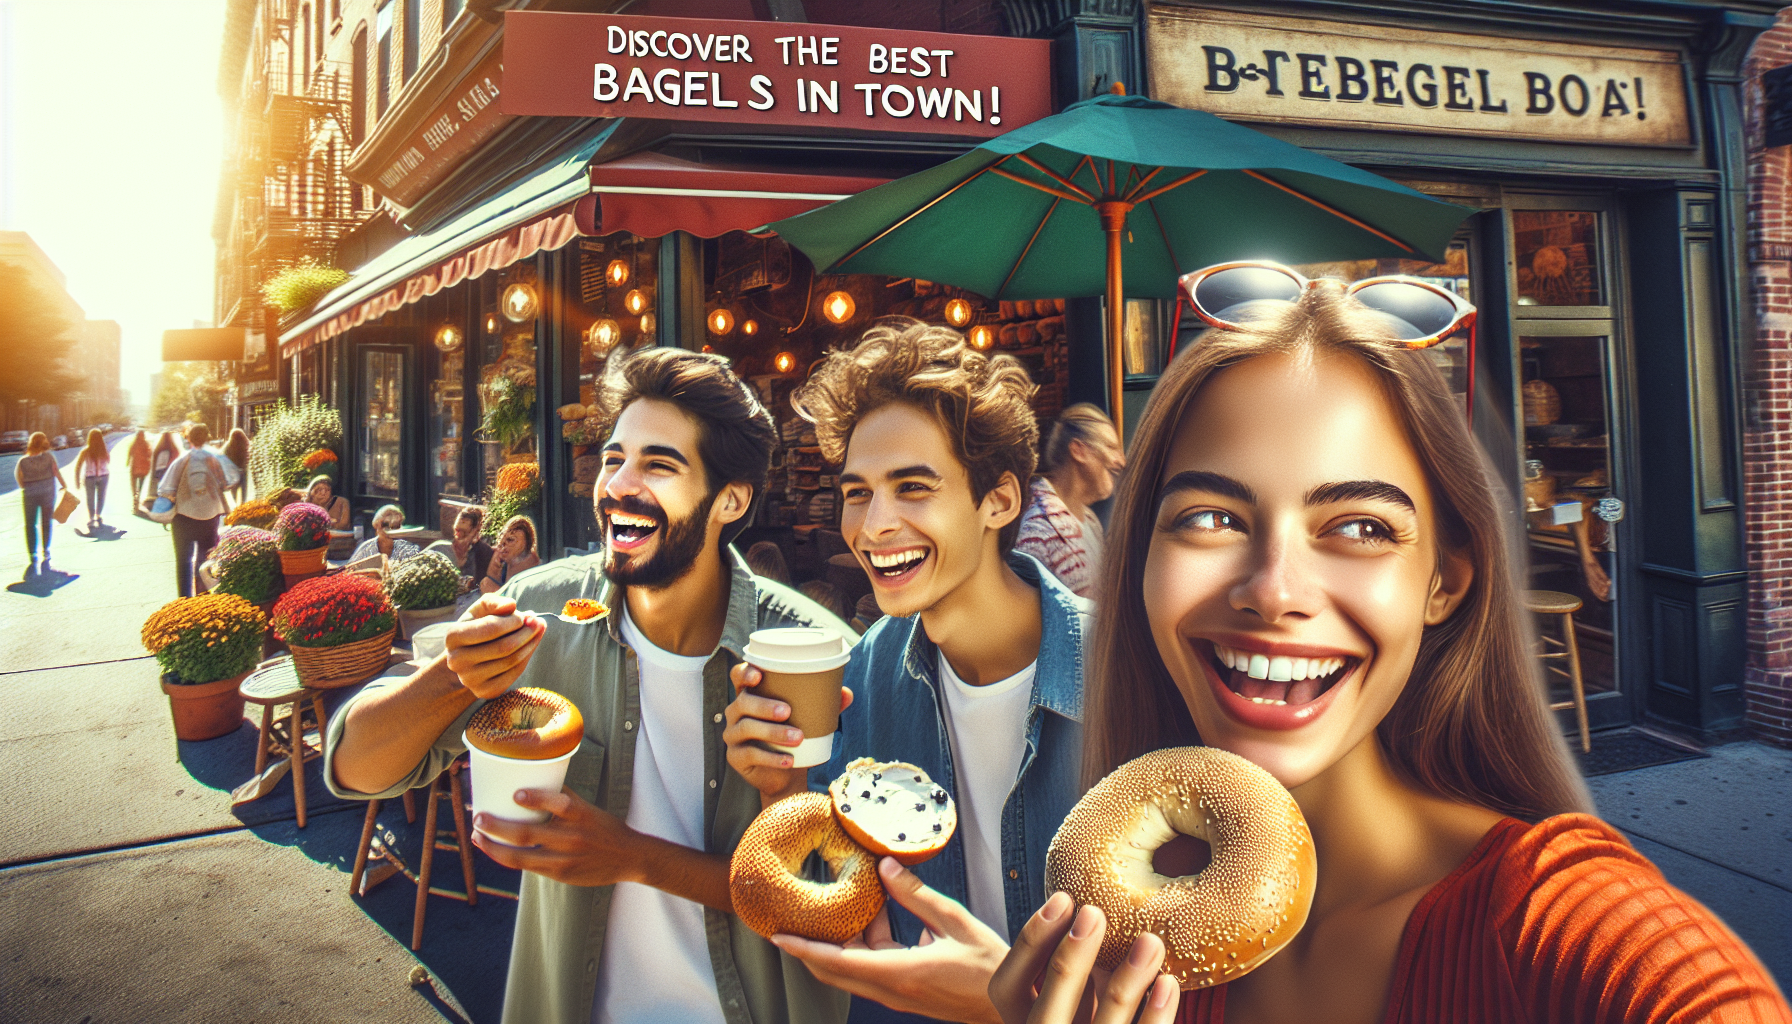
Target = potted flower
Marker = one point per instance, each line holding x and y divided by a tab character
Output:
513	493
246	563
304	533
257	512
323	460
205	645
423	587
339	629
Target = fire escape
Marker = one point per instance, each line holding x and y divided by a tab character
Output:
292	202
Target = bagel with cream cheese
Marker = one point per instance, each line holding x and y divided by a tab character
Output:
528	724
893	809
1225	920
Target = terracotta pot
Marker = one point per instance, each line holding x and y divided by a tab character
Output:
299	566
205	711
409	621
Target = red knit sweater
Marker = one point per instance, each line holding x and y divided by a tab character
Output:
1562	921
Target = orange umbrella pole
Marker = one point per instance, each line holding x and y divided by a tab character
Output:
1113	222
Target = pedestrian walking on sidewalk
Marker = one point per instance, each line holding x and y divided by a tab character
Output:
237	451
196	483
37	475
139	455
93	467
166	452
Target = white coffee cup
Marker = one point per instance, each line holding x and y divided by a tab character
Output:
802	666
496	779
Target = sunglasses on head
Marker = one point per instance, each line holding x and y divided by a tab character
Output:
1420	313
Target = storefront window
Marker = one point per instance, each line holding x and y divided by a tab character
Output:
447	412
382	418
1557	255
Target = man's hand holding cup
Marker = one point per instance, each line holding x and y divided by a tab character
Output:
488	648
785	714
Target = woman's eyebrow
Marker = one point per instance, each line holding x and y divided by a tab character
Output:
1361	490
1213	483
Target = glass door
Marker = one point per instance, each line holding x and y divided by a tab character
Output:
1573	441
383	413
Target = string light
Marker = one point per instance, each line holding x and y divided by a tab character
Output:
720	322
958	312
635	301
647	323
519	303
491	323
448	338
982	337
838	307
616	273
785	362
749	327
603	336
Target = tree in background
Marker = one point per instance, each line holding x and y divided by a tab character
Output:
189	391
35	341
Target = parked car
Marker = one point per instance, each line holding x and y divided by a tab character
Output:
14	440
60	441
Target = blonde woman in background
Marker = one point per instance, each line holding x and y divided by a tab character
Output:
139	455
1081	462
93	467
237	451
386	520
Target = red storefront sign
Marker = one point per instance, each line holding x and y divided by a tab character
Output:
464	119
772	73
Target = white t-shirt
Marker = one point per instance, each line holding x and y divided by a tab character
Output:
655	964
994	719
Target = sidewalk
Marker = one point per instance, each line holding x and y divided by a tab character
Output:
130	891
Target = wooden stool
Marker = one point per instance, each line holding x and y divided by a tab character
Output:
1550	602
272	686
458	841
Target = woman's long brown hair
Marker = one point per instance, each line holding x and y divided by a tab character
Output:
1472	723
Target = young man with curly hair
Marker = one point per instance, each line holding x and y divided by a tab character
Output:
625	906
974	674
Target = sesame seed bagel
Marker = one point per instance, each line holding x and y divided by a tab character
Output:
1219	923
528	724
772	899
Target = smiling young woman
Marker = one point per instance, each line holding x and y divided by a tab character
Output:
1307	568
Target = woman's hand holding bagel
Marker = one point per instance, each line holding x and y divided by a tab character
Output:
1049	977
490	645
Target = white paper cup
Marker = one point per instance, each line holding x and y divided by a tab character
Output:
496	779
802	667
430	641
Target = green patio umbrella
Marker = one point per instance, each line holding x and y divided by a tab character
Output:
1169	191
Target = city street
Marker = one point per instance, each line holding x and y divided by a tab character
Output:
131	891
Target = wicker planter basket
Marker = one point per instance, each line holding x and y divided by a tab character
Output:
299	566
330	668
409	622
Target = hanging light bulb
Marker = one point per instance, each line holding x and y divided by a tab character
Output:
635	301
720	321
647	323
749	327
448	338
958	312
838	307
785	362
491	323
982	336
602	336
616	273
519	303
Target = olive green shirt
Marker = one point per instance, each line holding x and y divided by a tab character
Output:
561	928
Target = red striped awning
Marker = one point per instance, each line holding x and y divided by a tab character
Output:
651	194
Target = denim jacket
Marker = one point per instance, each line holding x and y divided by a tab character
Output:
898	714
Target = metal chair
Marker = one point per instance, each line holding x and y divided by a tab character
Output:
1550	602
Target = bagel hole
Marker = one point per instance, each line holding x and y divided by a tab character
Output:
1182	856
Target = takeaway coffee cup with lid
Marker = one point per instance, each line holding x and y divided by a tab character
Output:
802	666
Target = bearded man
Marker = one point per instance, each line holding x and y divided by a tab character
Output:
625	913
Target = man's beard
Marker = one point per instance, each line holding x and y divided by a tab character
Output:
680	544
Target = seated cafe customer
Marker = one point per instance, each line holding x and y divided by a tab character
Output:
471	552
396	549
515	553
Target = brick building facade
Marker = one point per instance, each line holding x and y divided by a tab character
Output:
1767	445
